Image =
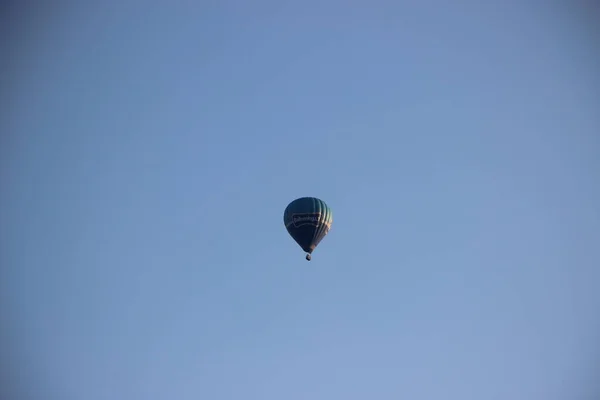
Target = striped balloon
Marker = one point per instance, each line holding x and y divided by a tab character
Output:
308	220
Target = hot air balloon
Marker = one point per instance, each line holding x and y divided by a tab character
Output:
307	220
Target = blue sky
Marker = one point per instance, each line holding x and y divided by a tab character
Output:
149	152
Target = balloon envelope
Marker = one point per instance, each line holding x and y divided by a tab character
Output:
308	220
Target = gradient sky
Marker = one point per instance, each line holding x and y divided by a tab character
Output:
148	153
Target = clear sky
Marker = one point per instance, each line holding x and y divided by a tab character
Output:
148	153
